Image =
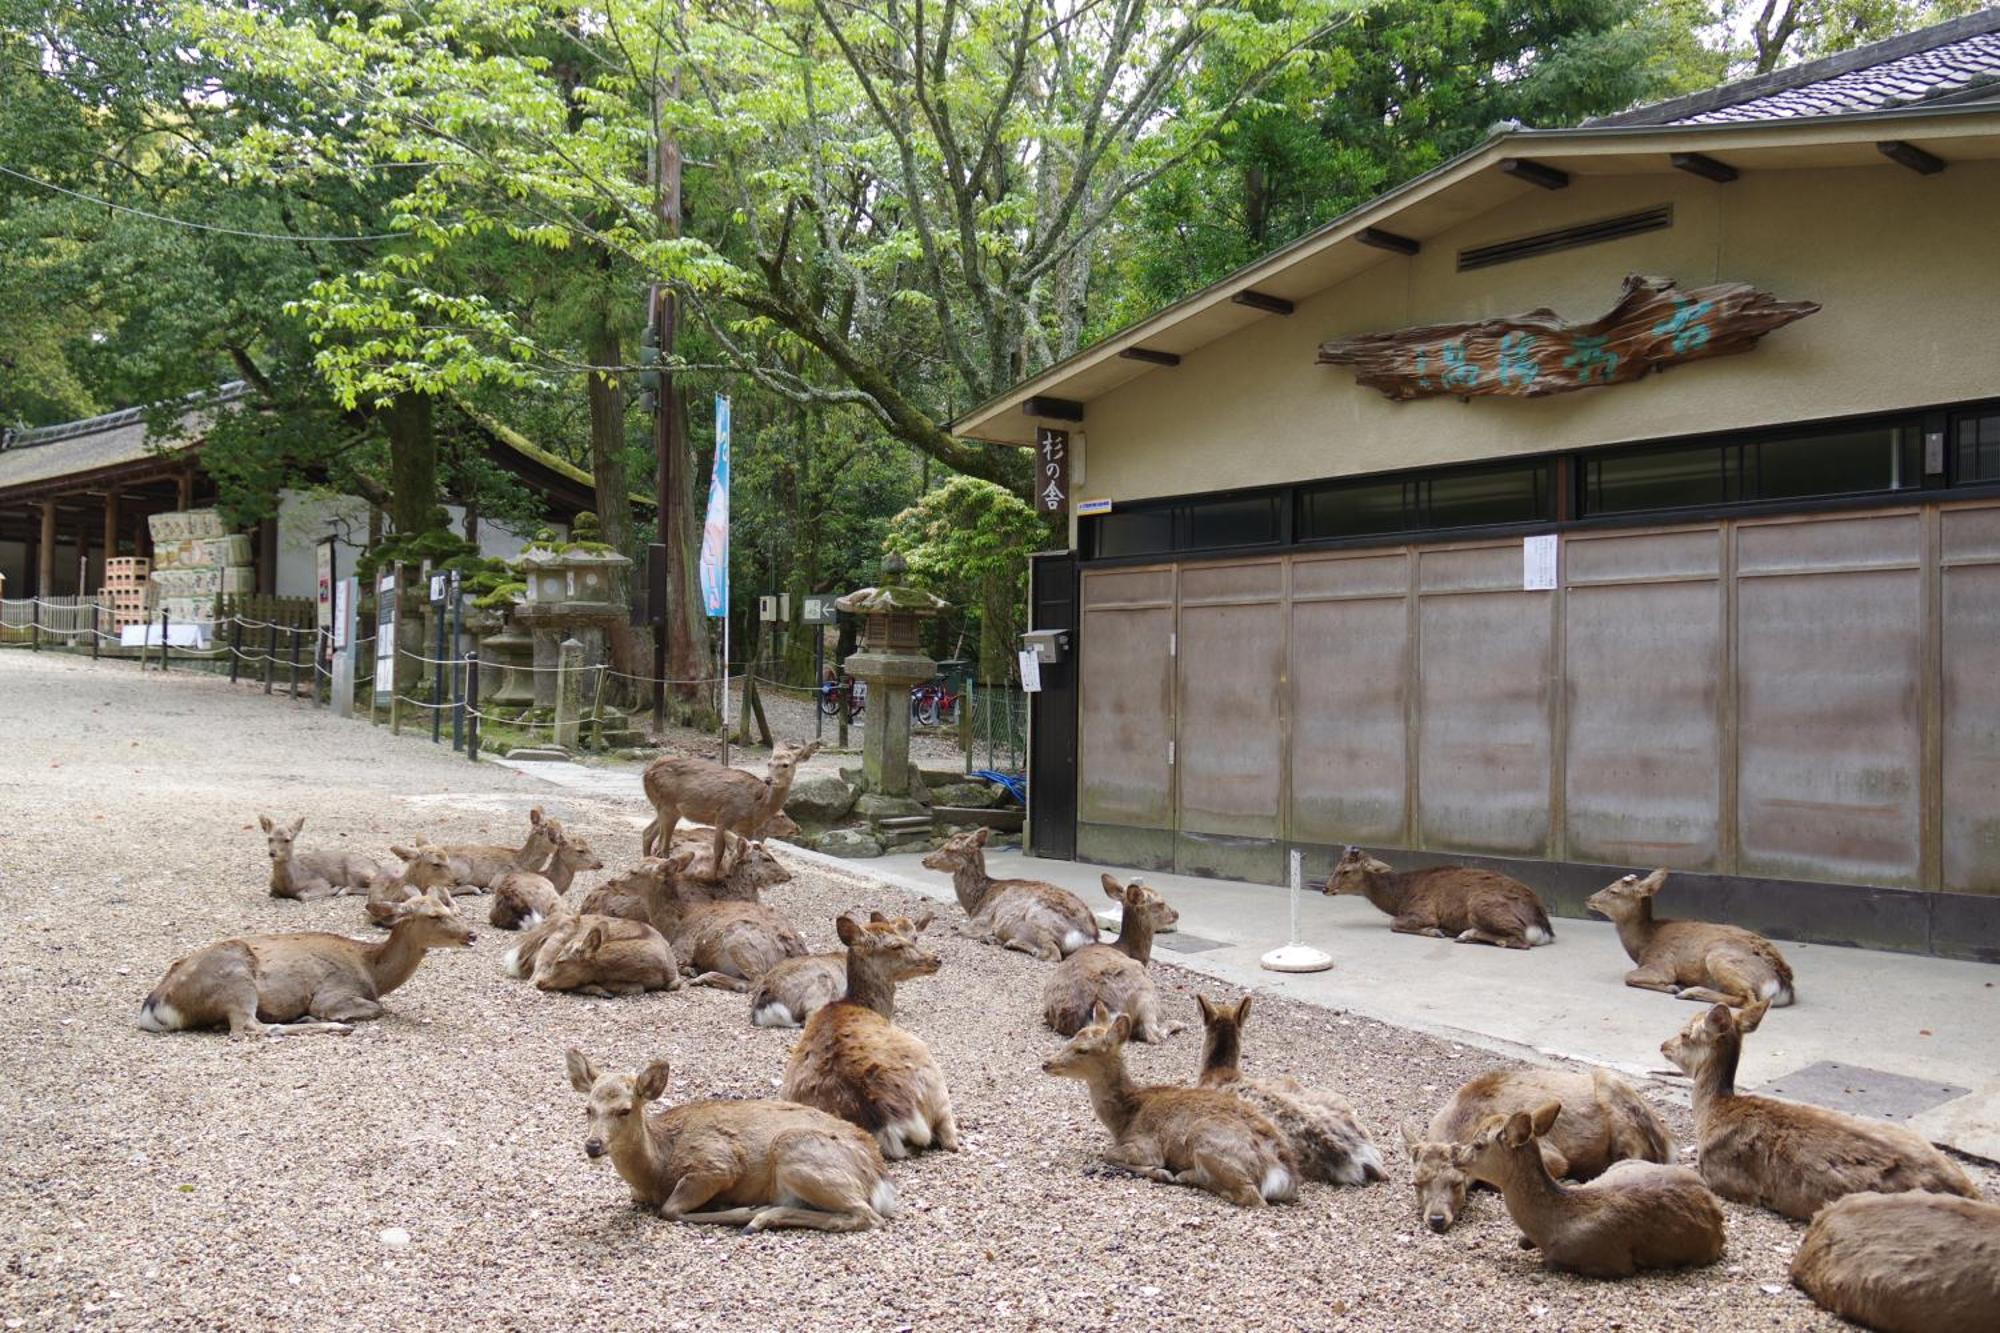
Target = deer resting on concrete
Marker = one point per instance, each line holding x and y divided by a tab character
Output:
313	875
1325	1135
272	985
1023	914
1792	1158
755	1164
1113	975
711	793
1450	902
1905	1263
1696	960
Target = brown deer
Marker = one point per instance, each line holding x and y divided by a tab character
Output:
752	869
601	955
1905	1263
797	988
522	898
731	945
854	1062
1696	960
421	870
1636	1215
1202	1137
268	985
710	793
1791	1158
311	876
1450	902
756	1164
479	866
1114	974
1604	1120
1023	914
1326	1138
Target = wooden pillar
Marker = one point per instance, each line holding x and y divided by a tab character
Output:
45	563
30	562
267	557
184	491
83	553
111	524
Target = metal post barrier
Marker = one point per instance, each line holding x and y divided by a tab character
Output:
293	630
235	648
457	685
471	692
96	629
166	640
395	695
437	677
270	654
35	623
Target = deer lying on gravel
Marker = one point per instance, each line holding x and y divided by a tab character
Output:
1326	1138
752	869
479	866
522	898
599	955
422	869
267	985
711	793
1636	1215
1791	1158
1905	1263
1113	975
1202	1137
313	875
732	945
1450	902
855	1063
1604	1120
758	1164
797	988
1696	960
1023	914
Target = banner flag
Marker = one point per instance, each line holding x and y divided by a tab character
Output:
715	529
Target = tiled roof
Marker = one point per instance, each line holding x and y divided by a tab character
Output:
76	447
1957	61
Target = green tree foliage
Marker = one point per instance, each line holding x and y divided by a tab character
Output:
1780	32
969	542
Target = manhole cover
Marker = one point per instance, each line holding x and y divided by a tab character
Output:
1180	942
1861	1091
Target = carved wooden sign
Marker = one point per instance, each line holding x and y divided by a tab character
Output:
1654	325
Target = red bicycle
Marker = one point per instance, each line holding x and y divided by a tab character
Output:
935	702
844	690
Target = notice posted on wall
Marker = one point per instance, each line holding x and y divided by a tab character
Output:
1031	671
1538	562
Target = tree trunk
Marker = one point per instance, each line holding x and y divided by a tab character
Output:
412	464
607	430
687	623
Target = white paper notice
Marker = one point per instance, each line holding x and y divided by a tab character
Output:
1538	562
1031	671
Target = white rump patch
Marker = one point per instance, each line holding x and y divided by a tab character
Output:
1536	935
161	1017
773	1015
1777	992
511	962
1075	940
883	1200
531	920
1355	1170
1277	1184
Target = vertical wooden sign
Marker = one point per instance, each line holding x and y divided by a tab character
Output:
1051	470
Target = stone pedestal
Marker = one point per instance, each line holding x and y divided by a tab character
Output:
885	737
504	678
569	692
571	595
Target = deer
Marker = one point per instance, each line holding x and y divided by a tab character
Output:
1636	1215
479	866
1326	1138
600	955
1915	1262
312	876
1696	960
710	793
852	1061
421	869
1202	1137
755	1164
313	981
731	945
1023	914
1114	974
752	870
1604	1121
1791	1158
797	988
523	898
1463	903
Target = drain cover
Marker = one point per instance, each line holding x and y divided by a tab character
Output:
1861	1091
1181	942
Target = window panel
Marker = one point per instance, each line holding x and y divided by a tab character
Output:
1358	510
1474	499
1835	464
1977	448
1134	532
1251	521
1657	479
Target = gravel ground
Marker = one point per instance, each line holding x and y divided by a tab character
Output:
188	1181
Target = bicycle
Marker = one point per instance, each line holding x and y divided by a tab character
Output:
843	690
935	702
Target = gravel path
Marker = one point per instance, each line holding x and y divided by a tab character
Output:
193	1182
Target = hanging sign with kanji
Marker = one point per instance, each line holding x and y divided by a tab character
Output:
1654	325
1051	471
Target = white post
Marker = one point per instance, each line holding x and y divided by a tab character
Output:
1296	956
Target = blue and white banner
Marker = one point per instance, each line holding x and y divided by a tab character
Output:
714	566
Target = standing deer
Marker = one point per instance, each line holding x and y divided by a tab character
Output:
1636	1215
1023	914
1325	1135
1791	1158
1905	1263
711	793
421	870
1114	974
756	1164
797	988
312	876
1448	902
597	955
1604	1120
265	985
1201	1137
854	1062
479	866
1696	960
523	898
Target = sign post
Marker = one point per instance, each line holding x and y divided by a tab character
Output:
1052	471
440	589
340	695
714	566
1296	956
385	642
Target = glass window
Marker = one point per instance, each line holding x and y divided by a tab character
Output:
1835	464
1657	479
1133	532
1358	509
1977	448
1494	495
1250	521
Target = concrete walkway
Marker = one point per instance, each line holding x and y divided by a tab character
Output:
1906	1037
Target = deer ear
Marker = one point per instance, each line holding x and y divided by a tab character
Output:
1518	1129
593	939
535	815
1719	1020
1099	1015
979	838
265	821
1112	888
1544	1116
1410	1140
812	748
1654	882
652	1081
298	824
440	895
402	853
1122	1027
876	917
582	1073
846	929
1462	1155
1206	1006
1243	1011
923	923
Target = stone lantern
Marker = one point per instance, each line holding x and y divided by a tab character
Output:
890	664
571	594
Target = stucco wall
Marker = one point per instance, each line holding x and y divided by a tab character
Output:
1906	267
304	520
